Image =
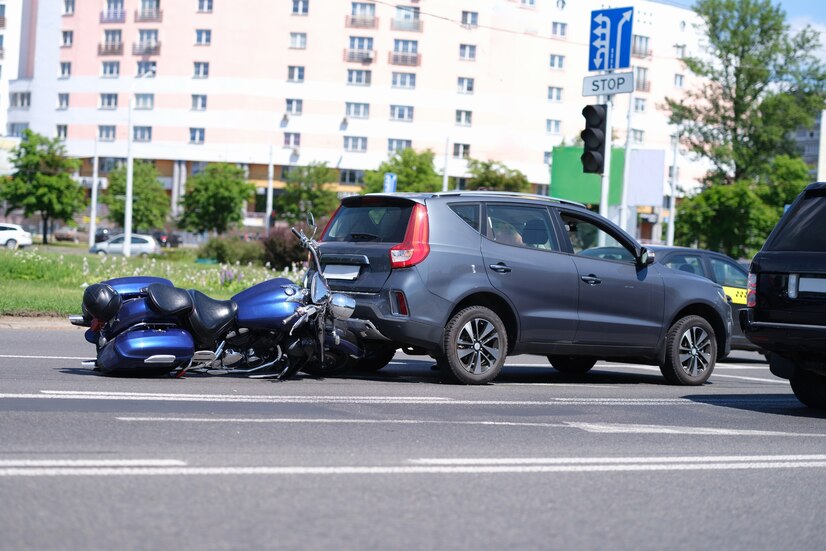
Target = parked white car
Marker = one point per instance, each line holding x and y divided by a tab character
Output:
141	245
13	236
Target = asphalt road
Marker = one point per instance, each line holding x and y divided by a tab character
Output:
615	459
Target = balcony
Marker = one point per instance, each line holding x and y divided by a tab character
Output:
642	86
2	52
113	16
362	21
414	25
110	48
2	21
359	56
641	52
404	58
146	48
150	15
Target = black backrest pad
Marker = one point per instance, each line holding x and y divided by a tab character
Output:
168	300
210	318
101	301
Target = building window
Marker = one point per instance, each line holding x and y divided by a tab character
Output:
641	83
67	38
142	134
557	61
463	118
201	69
197	167
406	46
16	129
65	69
20	100
461	151
359	77
205	6
68	7
299	40
363	9
199	102
470	18
295	73
639	105
106	133
679	81
350	176
203	37
108	101
559	29
292	139
62	131
295	106
401	113
553	126
547	157
465	85
679	50
404	80
357	110
147	69
144	101
196	135
529	3
637	136
63	101
639	46
355	143
554	93
147	40
301	7
394	145
467	52
110	69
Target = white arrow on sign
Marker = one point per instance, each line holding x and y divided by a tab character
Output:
615	83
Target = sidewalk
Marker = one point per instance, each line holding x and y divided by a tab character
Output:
37	322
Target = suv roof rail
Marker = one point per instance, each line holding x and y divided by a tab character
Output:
511	194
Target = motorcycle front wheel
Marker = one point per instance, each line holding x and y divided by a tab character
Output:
335	363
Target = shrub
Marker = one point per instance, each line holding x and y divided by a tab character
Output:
232	251
283	249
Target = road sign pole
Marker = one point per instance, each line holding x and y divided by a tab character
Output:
606	174
626	170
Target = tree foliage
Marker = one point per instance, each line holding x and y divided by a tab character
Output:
414	173
493	175
306	190
215	198
150	204
759	83
43	184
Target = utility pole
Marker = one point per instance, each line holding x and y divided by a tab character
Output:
672	202
93	224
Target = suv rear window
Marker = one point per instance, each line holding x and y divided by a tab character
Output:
805	227
378	222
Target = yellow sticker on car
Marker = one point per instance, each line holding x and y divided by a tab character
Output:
738	295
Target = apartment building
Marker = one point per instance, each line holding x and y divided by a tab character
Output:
273	84
10	31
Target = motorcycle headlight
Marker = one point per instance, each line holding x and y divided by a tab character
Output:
342	306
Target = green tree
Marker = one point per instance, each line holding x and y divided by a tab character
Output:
150	204
215	198
414	173
493	175
43	183
785	180
731	219
307	190
759	83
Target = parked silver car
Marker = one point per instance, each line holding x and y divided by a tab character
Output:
13	236
141	245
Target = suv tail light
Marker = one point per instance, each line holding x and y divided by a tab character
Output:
415	246
751	291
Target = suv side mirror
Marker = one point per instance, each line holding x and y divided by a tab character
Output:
646	257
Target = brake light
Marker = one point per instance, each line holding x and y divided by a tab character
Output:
415	246
751	291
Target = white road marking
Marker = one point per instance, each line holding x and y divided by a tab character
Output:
613	428
91	463
615	460
714	375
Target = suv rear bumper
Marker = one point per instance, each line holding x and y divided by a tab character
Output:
792	345
402	330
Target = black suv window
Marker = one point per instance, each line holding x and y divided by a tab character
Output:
469	212
379	222
521	226
588	239
805	228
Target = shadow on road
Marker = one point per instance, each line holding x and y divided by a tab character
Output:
776	404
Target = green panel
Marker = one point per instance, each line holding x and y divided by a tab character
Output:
569	182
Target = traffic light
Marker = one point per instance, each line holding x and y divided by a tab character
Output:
593	155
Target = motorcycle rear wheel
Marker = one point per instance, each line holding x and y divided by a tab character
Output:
335	363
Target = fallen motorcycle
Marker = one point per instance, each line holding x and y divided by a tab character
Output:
145	326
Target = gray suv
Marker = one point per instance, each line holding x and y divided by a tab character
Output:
470	277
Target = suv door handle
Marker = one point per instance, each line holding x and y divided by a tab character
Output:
502	268
591	279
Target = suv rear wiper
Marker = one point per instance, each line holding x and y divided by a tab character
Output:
364	237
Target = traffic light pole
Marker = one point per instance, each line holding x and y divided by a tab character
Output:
606	170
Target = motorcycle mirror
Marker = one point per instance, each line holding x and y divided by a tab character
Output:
319	291
311	223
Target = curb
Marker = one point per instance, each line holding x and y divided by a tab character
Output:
37	322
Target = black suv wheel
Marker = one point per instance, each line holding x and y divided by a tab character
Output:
476	344
691	352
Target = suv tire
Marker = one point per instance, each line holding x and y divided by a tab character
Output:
572	365
690	352
810	388
475	345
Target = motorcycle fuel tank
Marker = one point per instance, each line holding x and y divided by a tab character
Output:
267	304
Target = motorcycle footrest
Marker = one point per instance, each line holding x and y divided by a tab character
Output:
203	356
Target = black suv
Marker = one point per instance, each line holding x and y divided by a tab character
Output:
469	277
786	311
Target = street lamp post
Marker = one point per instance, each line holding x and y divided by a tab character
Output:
127	211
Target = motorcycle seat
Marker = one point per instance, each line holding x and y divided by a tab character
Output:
168	300
210	317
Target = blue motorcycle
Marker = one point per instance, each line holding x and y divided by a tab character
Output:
145	326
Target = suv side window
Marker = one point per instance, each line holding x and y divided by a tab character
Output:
588	239
521	226
469	212
727	273
690	263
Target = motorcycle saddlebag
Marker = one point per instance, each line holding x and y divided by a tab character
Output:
146	352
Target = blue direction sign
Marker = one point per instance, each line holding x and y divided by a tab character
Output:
389	182
610	39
